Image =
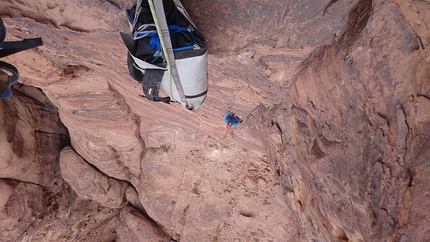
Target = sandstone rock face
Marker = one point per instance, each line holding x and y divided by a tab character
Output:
31	135
114	146
135	227
229	194
88	182
242	24
30	138
350	134
334	145
18	211
415	199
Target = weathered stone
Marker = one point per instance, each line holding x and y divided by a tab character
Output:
333	144
348	131
133	198
134	226
23	203
31	136
241	24
88	182
414	202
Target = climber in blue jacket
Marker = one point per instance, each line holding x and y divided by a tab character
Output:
232	120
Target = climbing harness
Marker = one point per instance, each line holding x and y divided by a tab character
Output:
166	52
10	48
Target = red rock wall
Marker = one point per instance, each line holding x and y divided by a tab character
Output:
334	145
353	138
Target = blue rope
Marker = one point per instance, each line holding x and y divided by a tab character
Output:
131	15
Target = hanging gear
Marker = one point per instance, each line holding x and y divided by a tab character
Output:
163	41
10	48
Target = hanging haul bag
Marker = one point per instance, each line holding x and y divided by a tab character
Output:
6	69
166	52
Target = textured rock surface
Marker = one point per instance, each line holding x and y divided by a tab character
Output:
30	138
19	212
135	227
88	182
284	24
351	134
67	217
334	144
413	203
228	194
35	203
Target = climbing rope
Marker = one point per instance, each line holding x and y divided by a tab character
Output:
166	45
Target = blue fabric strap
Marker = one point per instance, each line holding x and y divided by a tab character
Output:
11	79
